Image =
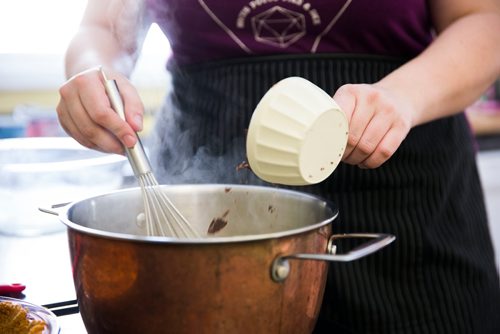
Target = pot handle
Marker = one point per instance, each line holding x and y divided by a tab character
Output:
54	206
281	267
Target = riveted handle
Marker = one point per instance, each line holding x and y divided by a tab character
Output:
281	267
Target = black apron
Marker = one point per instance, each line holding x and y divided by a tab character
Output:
438	277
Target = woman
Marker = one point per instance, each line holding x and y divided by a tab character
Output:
401	71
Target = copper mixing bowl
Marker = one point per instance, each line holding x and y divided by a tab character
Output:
263	272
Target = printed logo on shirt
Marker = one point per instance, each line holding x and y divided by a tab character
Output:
276	23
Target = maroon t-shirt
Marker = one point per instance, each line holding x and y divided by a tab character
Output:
204	30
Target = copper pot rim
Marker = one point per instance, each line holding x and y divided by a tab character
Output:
63	210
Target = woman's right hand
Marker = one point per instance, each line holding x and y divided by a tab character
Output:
85	113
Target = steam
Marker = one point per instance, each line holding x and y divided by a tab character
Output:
176	161
175	157
130	21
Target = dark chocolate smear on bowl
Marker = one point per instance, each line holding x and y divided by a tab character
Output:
218	223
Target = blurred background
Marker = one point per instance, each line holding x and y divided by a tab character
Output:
33	38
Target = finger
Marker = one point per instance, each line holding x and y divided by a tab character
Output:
386	148
98	109
370	139
361	117
134	108
70	127
102	138
85	129
72	115
346	99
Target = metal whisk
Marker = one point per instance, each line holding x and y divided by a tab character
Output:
161	216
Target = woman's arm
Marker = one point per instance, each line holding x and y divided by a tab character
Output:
448	76
458	66
110	35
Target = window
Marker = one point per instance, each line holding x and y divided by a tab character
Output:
34	35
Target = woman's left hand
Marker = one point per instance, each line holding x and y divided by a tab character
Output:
378	123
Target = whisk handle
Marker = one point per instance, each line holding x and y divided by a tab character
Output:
136	155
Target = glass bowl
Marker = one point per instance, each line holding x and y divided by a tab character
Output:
36	312
38	172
